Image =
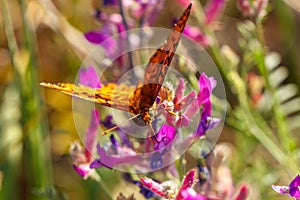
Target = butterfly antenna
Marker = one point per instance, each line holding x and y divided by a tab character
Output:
118	126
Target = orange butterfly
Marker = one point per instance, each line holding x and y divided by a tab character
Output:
137	100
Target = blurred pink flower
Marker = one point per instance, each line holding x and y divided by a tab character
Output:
89	77
82	158
197	35
256	8
213	10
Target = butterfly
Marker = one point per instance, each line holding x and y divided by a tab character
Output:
139	99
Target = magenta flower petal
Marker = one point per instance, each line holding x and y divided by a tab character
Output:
80	171
179	91
184	3
154	187
89	77
243	193
213	9
83	170
206	86
186	101
187	182
295	187
197	35
191	194
91	135
95	37
164	136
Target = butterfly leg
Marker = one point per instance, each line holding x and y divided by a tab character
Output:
118	126
152	136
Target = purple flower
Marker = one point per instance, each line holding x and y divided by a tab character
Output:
82	158
206	124
112	159
292	190
113	46
146	11
107	123
206	84
112	25
156	160
164	136
110	2
89	77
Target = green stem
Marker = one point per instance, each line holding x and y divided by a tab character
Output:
180	166
36	158
279	116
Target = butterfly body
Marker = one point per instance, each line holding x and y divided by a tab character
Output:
139	99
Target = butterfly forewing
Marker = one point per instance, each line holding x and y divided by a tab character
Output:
111	95
160	61
157	68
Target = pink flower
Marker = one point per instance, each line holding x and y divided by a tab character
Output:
83	157
89	77
185	192
197	35
243	193
253	8
213	9
186	105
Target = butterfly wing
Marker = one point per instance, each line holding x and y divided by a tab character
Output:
157	68
134	100
111	95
